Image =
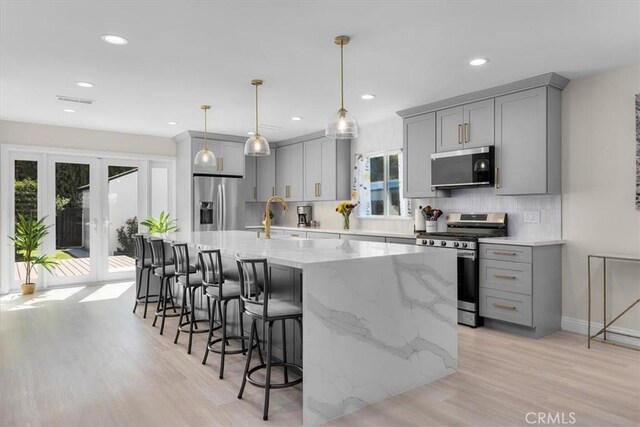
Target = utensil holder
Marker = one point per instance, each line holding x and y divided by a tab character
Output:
431	226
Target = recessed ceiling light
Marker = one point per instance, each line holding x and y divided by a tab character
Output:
172	123
114	39
69	110
296	118
478	62
251	133
368	96
85	84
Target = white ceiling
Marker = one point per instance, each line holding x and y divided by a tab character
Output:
182	54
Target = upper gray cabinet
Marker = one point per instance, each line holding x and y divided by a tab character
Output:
419	142
265	176
465	126
326	169
249	183
229	157
289	173
522	119
528	142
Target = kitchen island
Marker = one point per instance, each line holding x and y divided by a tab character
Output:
379	319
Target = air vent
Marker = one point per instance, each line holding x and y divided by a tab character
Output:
75	100
270	127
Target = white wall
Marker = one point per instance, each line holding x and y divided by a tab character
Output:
598	184
83	139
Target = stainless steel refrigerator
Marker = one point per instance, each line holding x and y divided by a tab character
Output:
216	203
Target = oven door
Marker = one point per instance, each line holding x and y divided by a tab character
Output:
468	286
463	168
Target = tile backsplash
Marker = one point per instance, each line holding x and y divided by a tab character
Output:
461	200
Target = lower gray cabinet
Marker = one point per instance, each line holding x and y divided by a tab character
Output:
362	238
401	240
320	235
521	288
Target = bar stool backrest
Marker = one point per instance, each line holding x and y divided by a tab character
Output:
212	269
159	257
254	277
140	252
181	258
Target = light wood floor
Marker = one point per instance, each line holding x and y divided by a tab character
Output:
70	359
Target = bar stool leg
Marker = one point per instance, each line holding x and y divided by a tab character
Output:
138	288
300	323
160	300
223	342
173	306
193	316
146	298
248	361
167	289
267	383
244	348
212	319
284	350
182	311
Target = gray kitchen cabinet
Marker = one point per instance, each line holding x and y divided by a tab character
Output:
229	157
298	234
326	169
465	126
528	142
321	235
521	288
419	142
362	238
289	173
249	183
401	240
266	176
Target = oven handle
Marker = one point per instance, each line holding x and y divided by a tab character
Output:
467	254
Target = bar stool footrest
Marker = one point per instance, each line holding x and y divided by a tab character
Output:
277	385
185	325
234	337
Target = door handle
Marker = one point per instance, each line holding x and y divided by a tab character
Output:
497	177
459	134
503	276
504	253
466	132
503	306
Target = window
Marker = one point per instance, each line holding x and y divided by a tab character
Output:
377	184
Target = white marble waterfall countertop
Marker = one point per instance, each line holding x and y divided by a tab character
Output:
337	231
291	251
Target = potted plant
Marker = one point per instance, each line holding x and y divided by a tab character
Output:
30	233
163	224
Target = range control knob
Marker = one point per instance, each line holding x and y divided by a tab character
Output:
424	242
456	244
443	243
431	242
464	245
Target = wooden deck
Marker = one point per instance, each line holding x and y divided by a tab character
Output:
78	267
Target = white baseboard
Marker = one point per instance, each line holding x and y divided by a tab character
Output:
579	326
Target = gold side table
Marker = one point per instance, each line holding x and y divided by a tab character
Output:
605	329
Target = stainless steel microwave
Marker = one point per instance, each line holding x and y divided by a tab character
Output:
472	167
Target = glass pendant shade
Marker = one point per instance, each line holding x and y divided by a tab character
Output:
205	157
257	145
342	126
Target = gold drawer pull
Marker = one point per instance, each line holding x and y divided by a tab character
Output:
466	132
503	276
506	307
504	253
460	134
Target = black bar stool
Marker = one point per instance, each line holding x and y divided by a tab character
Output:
143	262
185	274
222	287
268	310
163	268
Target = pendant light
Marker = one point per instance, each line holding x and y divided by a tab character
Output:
256	145
205	157
342	125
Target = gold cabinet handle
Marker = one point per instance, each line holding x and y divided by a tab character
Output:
459	134
505	307
497	177
319	189
504	276
315	189
504	253
466	132
221	163
255	194
294	235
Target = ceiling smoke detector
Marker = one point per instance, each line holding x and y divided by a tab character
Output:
84	101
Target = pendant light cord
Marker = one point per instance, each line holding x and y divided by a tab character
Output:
256	110
205	129
342	75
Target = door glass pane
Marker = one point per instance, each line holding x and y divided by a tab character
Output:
26	204
72	229
394	185
376	166
123	220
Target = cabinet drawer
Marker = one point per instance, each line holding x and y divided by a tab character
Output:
505	252
295	233
320	235
507	306
362	238
506	276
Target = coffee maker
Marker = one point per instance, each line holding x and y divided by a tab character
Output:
304	216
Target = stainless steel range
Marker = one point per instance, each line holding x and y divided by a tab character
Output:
463	231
